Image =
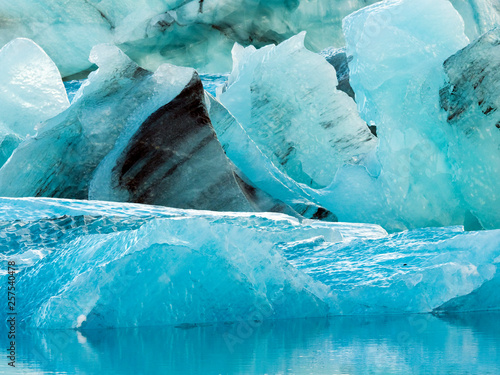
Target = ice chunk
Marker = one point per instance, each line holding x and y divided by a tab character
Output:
472	103
60	160
119	264
135	136
173	158
184	267
479	16
262	173
410	272
285	98
397	49
31	91
183	32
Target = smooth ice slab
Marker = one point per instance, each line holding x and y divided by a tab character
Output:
285	98
31	91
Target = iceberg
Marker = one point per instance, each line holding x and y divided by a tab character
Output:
192	33
174	159
410	183
470	98
480	16
262	173
304	125
60	160
101	264
31	91
184	267
435	168
131	135
407	178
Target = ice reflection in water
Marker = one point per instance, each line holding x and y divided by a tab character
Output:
416	344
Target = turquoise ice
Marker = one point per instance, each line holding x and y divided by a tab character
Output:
97	264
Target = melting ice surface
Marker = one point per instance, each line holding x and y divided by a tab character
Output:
93	264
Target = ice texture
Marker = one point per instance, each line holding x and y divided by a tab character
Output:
60	160
134	136
410	183
257	167
471	100
285	98
192	33
479	16
96	264
414	271
31	91
435	168
183	267
173	158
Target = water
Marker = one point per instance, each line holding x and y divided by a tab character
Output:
72	87
417	344
210	83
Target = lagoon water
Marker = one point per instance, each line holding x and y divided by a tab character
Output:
416	344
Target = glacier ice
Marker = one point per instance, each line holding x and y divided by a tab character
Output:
134	136
173	158
479	16
97	264
471	100
410	272
431	171
285	98
420	174
400	128
31	91
257	167
397	90
184	267
60	159
192	33
410	181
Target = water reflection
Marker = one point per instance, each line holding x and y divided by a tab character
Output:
418	344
